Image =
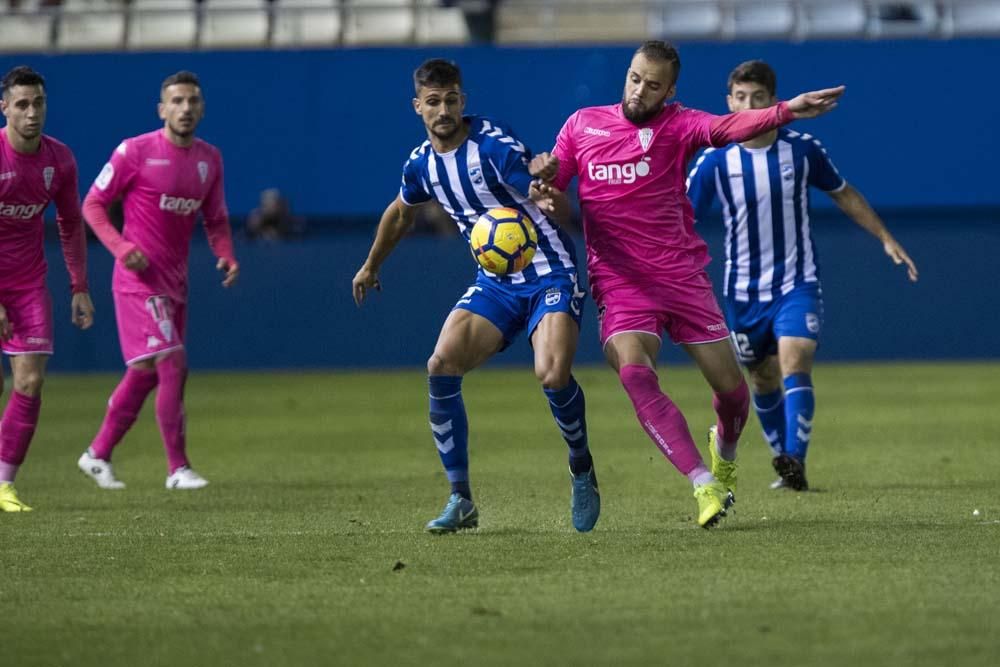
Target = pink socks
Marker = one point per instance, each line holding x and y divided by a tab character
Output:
172	372
732	409
123	408
16	430
661	419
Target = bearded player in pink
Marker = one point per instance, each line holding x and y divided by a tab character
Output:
165	179
645	261
35	169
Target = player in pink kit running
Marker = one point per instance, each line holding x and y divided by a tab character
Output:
35	169
165	179
645	261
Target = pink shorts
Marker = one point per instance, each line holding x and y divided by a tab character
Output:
30	314
688	312
149	325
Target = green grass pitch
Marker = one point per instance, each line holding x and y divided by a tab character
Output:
308	546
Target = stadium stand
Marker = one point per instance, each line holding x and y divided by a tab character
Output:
235	23
162	24
306	23
91	25
102	25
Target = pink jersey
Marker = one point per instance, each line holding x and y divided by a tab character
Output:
28	182
637	219
163	187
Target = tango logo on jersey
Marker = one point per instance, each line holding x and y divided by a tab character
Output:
617	174
20	211
179	205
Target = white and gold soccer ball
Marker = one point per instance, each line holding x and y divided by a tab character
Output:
503	241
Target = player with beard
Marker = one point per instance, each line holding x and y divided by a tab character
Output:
471	164
166	179
646	263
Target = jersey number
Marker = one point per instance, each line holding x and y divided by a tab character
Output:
743	347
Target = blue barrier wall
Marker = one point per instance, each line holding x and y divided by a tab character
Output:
293	305
332	128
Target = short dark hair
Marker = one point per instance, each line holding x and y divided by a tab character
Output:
754	71
661	51
183	76
437	72
21	76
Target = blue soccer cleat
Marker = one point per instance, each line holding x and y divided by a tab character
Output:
459	514
586	501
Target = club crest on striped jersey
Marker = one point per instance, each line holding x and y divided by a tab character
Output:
476	174
47	175
645	138
203	171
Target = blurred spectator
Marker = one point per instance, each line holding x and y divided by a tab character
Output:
30	5
480	16
272	220
432	220
898	12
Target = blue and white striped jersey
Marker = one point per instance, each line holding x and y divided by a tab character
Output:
488	170
764	193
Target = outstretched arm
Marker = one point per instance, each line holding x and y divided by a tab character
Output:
744	125
396	221
854	204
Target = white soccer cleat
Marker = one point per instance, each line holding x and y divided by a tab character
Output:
100	471
185	478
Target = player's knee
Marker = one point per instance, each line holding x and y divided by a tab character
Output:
176	360
554	376
29	383
438	365
764	383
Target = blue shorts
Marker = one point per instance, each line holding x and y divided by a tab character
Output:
516	308
756	326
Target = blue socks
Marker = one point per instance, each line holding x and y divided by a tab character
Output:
569	408
450	428
770	410
800	404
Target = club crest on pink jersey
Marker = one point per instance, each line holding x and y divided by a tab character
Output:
47	175
645	138
167	329
203	171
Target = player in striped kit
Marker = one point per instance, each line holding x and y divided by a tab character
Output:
773	299
470	164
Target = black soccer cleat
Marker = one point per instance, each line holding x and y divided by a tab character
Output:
792	472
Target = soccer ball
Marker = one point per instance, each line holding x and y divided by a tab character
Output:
503	240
